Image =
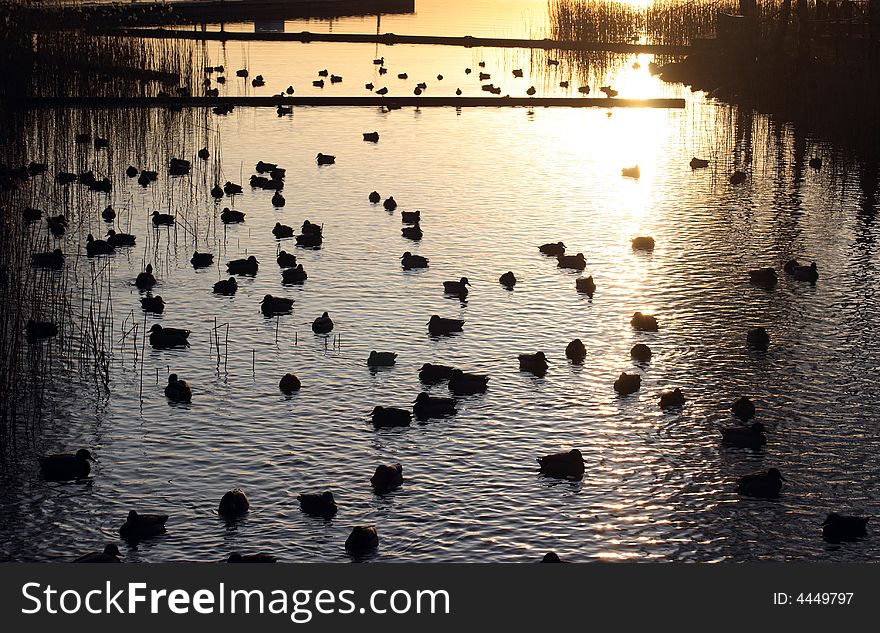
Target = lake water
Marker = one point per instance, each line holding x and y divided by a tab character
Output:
491	185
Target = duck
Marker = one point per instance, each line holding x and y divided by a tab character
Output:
413	232
318	83
432	374
372	137
555	250
672	399
485	76
517	72
576	351
456	287
573	262
806	273
608	91
323	324
631	172
57	224
232	189
162	219
758	338
386	478
226	287
145	280
379	62
402	76
566	464
241	72
458	92
95	247
410	217
53	259
816	162
156	304
310	228
282	231
840	527
258	81
229	216
310	240
263	167
108	214
39	330
248	266
743	408
278	200
289	383
67	178
427	406
737	177
166	337
465	384
563	84
318	504
531	91
178	390
640	352
751	436
766	485
30	214
140	526
381	359
645	243
286	260
363	538
390	416
627	383
410	261
533	363
438	325
584	90
178	167
508	280
585	285
234	503
203	153
369	86
259	557
765	277
699	163
110	554
383	90
296	275
374	197
325	159
66	466
271	306
390	204
120	239
201	260
552	557
644	322
216	192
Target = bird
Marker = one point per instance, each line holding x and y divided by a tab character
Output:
53	259
379	62
282	231
166	337
289	383
584	90
457	287
248	266
108	214
564	465
644	322
458	92
553	62
145	280
372	137
531	91
286	260
751	436
410	261
381	359
427	406
110	554
57	224
762	485
203	153
234	503
464	384
232	189
743	408
66	466
432	374
390	416
178	390
156	304
402	76
563	84
139	526
226	286
323	73
672	399
162	219
645	243
627	383
390	204
296	275
309	240
120	239
201	260
335	79
229	216
318	504
259	557
640	352
840	527
573	262
467	71
758	338
485	76
410	217
382	91
517	72
438	326
39	330
413	232
698	163
805	273
95	247
575	351
585	285
737	178
242	72
31	215
764	277
508	280
271	306
374	197
323	324
533	363
363	538
816	162
552	557
386	478
216	192
325	159
631	172
439	77
608	91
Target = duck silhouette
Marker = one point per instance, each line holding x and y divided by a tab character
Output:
457	287
766	485
764	277
390	204
432	374
39	330
286	260
465	384
145	280
575	351
167	338
572	262
282	231
289	383
563	465
386	478
295	275
645	243
438	326
66	466
232	189
381	359
672	399
229	216
320	504
698	163
743	408
640	352
234	503
816	162
427	406
390	416
374	197
108	214
178	390
271	305
372	137
644	322
53	259
201	260
325	159
323	324
838	528
552	557
737	178
363	539
410	261
162	219
508	280
248	266
631	172
627	383
226	287
533	363
585	285
413	232
758	338
156	304
120	239
751	436
110	554
95	248
142	526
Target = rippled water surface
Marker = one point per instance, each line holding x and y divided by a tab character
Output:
491	185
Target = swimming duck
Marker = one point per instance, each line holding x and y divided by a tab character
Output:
464	384
758	338
31	215
699	163
608	91
508	280
286	260
162	219
552	557
458	92
228	216
381	359
233	503
372	137
39	330
226	286
456	287
216	192
390	416
67	178
751	436
737	178
409	261
54	259
439	77
145	280
640	352
57	224
156	304
178	390
410	217
310	228
296	275
531	91
816	162
201	260
362	539
232	189
178	167
166	337
402	76
644	322
567	464
584	90
576	351
241	72
140	526
806	273
318	504
310	240
432	374
258	81
390	204
643	243
98	247
259	557
379	62
387	478
203	153
248	266
762	485
110	554
120	239
318	83
413	232
563	84
289	383
66	466
108	214
427	406
765	277
323	324
282	231
585	285
438	326
374	197
325	159
369	86
631	172
840	527
517	72
278	200
534	363
627	383
485	76
271	306
383	90
573	262
743	408
672	399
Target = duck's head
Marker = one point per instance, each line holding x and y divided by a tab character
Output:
377	410
540	356
422	398
325	316
111	233
156	328
831	519
90	238
149	269
278	226
551	557
405	255
464	281
575	453
234	557
774	473
232	281
84	453
434	319
111	550
267	299
132	515
155	214
172	379
327	496
757	427
252	259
